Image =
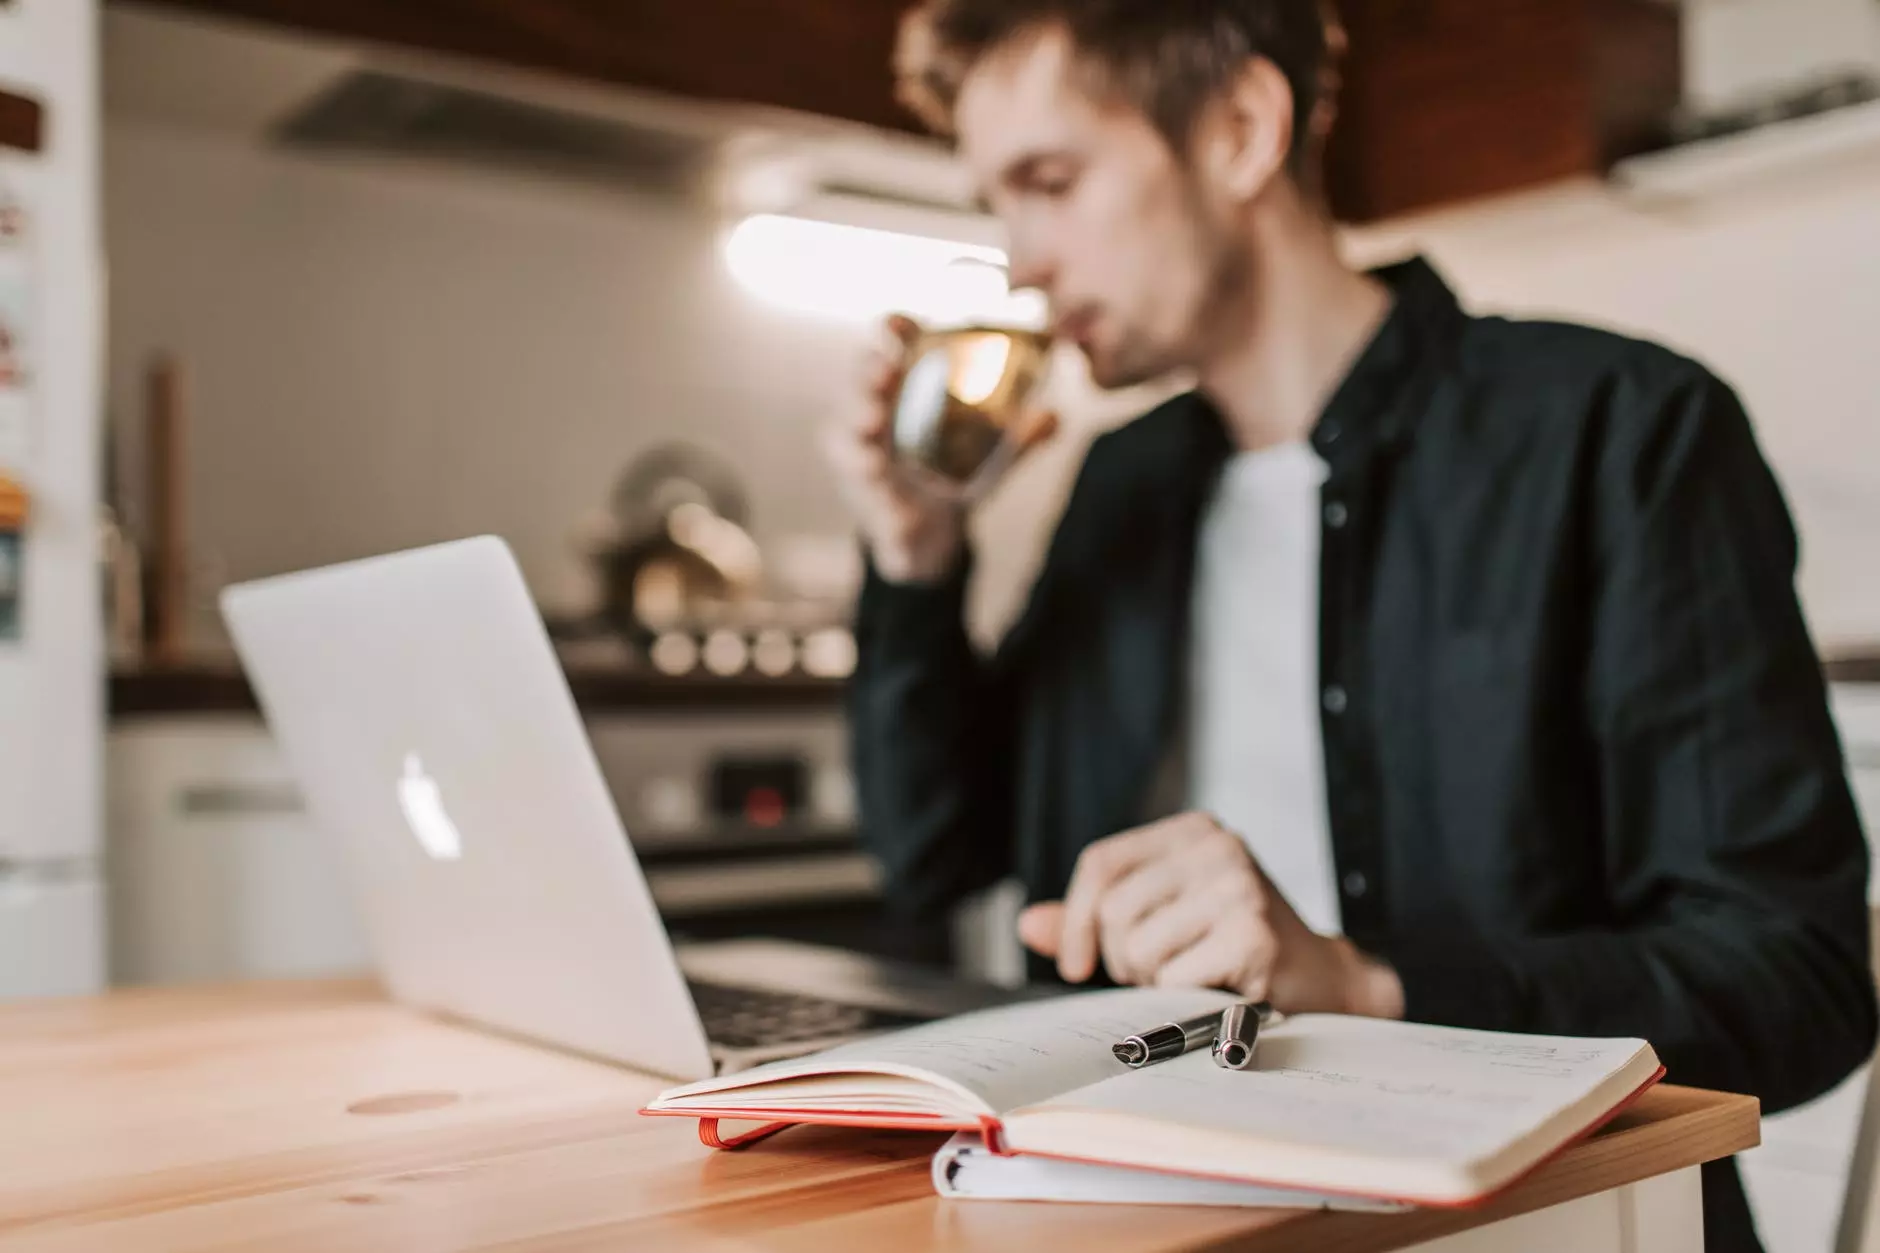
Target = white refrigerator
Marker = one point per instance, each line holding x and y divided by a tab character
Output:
51	651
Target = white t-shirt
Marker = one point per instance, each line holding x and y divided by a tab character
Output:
1255	756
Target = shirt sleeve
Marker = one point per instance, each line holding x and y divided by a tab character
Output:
935	734
1737	941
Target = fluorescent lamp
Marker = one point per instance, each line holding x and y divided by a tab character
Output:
858	273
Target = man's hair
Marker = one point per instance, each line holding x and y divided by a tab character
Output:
1168	58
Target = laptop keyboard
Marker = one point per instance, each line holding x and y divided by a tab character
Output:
747	1018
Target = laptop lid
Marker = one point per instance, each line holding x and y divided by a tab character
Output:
422	709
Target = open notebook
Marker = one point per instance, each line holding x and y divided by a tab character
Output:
1335	1105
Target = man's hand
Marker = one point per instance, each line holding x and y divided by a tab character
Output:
912	535
1181	903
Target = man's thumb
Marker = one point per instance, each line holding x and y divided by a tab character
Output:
1041	927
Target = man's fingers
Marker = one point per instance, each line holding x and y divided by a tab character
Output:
1041	927
1213	961
1129	900
1155	941
889	358
1101	865
881	383
883	369
1237	952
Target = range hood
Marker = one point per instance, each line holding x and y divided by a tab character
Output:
301	93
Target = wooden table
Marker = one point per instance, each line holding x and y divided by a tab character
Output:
314	1116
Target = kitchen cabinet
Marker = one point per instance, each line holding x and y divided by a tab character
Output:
215	870
51	936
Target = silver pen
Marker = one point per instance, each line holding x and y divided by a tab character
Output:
1168	1040
1239	1034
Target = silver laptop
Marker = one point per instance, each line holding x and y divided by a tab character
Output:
424	713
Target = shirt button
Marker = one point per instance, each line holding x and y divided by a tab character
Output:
1336	515
1336	700
1356	885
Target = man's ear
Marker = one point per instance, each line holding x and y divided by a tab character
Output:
1246	135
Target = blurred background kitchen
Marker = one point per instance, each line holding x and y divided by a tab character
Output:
286	282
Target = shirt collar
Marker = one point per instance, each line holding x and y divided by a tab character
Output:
1370	409
1367	410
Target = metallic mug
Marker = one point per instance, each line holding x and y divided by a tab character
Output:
962	402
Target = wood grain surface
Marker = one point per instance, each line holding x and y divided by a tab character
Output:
314	1116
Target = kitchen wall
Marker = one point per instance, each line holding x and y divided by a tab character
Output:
385	355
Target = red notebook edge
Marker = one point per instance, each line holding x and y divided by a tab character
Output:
776	1120
991	1130
708	1135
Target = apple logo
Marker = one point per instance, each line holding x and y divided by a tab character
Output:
423	803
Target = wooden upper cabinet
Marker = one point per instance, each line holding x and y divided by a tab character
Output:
1443	100
828	57
1448	100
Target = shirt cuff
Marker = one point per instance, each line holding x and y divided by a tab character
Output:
914	615
1454	981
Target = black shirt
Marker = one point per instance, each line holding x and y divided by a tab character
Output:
1581	773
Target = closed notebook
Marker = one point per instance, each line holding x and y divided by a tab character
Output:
965	1169
1335	1105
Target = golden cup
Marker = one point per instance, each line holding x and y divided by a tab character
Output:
963	401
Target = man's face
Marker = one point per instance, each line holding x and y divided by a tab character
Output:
1131	245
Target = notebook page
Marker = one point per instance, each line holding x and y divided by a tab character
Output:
1352	1085
1006	1057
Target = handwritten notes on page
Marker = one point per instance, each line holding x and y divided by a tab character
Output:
1345	1084
1024	1053
998	1059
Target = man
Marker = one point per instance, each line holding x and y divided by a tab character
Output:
1464	652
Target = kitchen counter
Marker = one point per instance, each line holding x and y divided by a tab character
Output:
1852	667
316	1116
218	687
